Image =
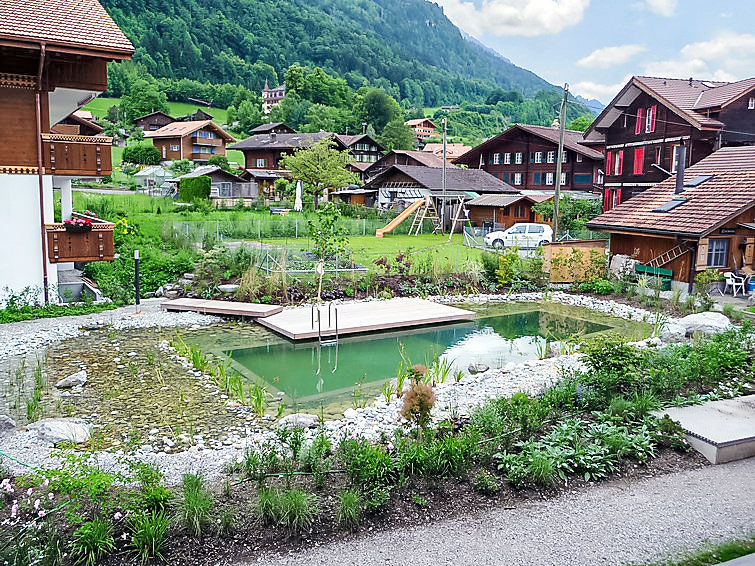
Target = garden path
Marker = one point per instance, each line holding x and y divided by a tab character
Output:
616	523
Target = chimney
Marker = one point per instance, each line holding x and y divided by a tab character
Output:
681	155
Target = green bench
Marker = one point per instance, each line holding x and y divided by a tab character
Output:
656	274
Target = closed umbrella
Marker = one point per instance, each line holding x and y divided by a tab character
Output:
298	203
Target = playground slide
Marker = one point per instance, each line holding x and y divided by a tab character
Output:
400	218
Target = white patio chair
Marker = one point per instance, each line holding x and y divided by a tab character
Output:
735	283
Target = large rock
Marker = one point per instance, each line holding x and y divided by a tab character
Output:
62	430
7	424
622	265
73	380
300	420
706	322
477	368
673	332
228	288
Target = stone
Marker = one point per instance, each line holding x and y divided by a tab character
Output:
477	368
706	322
673	333
228	288
301	420
350	414
189	276
74	380
73	430
7	424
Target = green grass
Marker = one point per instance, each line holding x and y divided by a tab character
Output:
714	554
29	312
100	105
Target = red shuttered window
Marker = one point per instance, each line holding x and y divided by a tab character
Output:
650	126
639	161
639	123
620	162
609	155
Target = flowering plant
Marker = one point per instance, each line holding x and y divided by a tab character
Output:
78	225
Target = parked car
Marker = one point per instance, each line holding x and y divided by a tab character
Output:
521	234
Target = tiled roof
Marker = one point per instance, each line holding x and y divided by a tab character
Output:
452	149
712	203
724	94
425	158
682	94
456	179
180	129
361	165
281	141
70	23
265	128
418	121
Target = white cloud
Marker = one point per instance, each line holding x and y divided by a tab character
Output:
665	8
606	57
600	91
515	17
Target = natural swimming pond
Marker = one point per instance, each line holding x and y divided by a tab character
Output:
309	374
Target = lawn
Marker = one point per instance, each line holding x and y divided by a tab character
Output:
99	107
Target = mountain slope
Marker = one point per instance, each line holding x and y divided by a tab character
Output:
407	47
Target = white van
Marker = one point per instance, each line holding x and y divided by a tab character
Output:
521	234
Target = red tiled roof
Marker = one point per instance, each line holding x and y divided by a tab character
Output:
71	23
730	192
180	129
452	149
724	94
418	121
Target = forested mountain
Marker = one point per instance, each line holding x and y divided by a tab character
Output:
407	47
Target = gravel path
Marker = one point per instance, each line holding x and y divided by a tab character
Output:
609	524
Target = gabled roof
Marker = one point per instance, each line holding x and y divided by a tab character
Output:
281	141
72	24
452	149
497	200
572	139
206	170
155	113
361	165
270	126
456	179
425	158
418	121
349	140
180	129
725	94
87	123
707	206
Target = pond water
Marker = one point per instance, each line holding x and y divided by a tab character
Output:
309	374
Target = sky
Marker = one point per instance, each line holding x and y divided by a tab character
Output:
597	45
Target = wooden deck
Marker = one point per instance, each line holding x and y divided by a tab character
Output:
369	316
252	310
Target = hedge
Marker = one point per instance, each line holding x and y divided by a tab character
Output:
194	188
141	154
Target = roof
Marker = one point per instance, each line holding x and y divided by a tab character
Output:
84	115
266	173
712	203
155	113
456	179
205	170
153	170
418	121
494	200
425	158
572	141
180	129
281	141
82	24
724	94
348	140
361	165
270	126
452	149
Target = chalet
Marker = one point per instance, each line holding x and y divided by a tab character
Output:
153	121
643	125
53	60
361	147
226	189
499	212
423	129
525	157
195	116
704	217
453	150
408	183
197	141
273	127
75	125
404	157
272	97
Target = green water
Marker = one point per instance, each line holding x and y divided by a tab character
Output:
307	374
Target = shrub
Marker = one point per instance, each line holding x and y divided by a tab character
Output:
294	508
418	402
316	458
371	469
349	512
487	483
194	507
194	189
148	532
141	154
91	541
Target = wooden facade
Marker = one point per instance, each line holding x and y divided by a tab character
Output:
154	121
502	217
95	245
196	141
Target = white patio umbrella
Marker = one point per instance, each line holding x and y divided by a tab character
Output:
298	205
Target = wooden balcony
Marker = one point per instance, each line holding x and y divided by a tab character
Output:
78	156
95	245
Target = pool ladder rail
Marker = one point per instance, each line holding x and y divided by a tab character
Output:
332	315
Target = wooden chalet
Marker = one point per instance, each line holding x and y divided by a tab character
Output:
705	222
404	157
423	129
274	128
525	157
195	140
643	125
53	60
498	212
153	121
453	150
74	124
226	189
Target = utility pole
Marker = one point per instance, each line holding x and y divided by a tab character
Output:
443	199
559	160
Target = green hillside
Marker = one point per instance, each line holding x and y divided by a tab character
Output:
100	105
407	47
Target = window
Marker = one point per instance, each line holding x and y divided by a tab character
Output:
638	124
564	179
538	157
674	157
518	158
518	229
506	211
551	157
564	156
521	211
496	159
517	178
505	177
639	161
650	119
579	158
658	155
718	252
532	156
261	163
225	189
583	179
616	162
175	147
536	178
751	103
536	229
507	158
549	178
164	152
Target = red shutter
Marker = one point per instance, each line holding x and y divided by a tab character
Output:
620	158
639	159
639	125
652	117
606	200
609	155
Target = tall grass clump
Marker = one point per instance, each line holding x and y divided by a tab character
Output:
195	505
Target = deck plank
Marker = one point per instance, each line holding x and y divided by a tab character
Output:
360	317
252	310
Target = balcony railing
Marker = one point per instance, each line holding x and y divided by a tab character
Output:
82	156
95	245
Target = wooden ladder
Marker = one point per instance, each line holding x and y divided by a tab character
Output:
669	256
425	212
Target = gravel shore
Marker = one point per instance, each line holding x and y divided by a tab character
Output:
615	523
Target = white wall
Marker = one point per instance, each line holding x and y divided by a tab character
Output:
20	237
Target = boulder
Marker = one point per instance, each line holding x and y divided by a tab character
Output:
7	424
350	414
622	265
300	420
73	380
706	322
673	332
62	430
477	368
228	288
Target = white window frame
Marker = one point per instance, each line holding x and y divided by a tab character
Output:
551	157
563	156
507	158
579	158
518	178
563	179
496	159
538	157
674	156
549	178
175	147
518	158
648	119
261	163
725	249
751	103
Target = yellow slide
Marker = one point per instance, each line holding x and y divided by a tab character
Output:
400	218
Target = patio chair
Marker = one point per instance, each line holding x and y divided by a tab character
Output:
735	283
